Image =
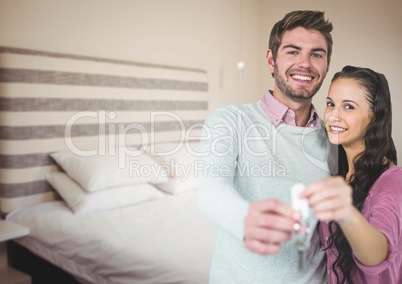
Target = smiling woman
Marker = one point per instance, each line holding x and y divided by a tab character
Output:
348	115
364	207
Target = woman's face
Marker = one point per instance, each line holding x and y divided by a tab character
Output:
348	114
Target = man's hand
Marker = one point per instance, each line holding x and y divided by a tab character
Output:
268	224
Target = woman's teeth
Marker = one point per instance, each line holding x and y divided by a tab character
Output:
337	129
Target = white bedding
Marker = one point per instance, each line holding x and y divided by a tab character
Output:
168	240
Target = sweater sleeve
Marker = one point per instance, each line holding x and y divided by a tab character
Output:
385	214
216	169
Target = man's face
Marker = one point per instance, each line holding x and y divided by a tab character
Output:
301	64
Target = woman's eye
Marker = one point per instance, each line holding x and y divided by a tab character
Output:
349	107
330	104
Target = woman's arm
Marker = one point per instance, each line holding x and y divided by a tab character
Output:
369	245
331	200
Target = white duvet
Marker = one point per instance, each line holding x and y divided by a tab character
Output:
164	241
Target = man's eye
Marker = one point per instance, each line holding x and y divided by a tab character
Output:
292	52
316	55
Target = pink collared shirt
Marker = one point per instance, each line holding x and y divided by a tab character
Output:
383	209
280	113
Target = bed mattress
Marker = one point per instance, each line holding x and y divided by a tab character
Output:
163	241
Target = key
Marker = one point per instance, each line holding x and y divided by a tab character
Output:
299	204
301	229
301	247
302	258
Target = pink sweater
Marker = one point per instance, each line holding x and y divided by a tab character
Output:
383	209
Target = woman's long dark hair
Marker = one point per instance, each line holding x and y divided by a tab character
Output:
369	164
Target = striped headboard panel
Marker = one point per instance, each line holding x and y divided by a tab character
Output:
51	102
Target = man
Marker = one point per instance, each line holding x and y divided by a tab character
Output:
251	155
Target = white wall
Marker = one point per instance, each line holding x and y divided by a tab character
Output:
209	34
193	33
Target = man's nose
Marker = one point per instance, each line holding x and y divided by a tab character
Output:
304	60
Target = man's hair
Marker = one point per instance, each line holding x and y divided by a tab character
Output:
313	20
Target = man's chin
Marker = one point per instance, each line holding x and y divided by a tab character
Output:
301	97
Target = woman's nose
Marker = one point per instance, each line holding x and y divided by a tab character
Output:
333	115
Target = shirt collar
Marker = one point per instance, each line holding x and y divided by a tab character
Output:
280	113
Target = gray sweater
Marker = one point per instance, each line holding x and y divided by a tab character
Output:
244	158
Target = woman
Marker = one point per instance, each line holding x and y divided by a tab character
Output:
361	220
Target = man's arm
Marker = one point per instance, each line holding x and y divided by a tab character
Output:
262	225
216	170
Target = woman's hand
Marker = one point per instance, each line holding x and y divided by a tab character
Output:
331	199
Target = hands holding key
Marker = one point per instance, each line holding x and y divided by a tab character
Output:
331	199
268	224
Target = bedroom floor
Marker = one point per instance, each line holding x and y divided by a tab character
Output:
41	271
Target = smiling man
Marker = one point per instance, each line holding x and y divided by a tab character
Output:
254	242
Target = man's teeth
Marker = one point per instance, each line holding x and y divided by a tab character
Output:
338	129
303	78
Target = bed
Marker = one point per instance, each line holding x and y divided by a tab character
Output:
97	159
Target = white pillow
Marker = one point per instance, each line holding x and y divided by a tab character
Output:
101	172
81	201
180	163
177	186
178	159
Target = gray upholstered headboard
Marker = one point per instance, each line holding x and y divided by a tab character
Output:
51	102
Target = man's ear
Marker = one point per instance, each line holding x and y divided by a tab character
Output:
329	63
271	62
